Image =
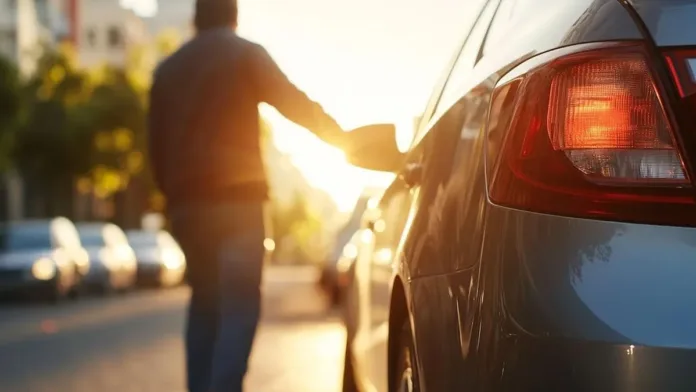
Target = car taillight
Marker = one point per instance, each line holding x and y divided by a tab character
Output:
583	132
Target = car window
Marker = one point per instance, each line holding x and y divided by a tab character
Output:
467	23
142	239
92	237
501	25
466	61
25	237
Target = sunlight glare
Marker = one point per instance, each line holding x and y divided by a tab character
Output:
324	167
364	62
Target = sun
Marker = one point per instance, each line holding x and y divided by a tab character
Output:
323	166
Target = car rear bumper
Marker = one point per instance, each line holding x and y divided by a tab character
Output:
564	304
567	365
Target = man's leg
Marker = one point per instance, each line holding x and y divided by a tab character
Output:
240	263
199	243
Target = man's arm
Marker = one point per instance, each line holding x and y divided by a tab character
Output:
278	91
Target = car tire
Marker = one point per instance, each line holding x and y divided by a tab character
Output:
406	373
349	383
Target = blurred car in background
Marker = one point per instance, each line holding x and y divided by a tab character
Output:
112	260
346	263
161	261
42	258
328	279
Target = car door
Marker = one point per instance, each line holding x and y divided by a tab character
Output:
428	171
396	211
441	199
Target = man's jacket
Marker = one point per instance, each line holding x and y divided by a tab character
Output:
204	129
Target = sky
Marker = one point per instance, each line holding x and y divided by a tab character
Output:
365	61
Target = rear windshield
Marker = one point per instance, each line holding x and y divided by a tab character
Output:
28	237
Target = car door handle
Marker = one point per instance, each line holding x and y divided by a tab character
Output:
412	174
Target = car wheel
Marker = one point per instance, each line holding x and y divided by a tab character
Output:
406	374
349	384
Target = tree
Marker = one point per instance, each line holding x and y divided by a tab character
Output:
47	150
10	107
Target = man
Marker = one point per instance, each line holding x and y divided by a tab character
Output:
206	157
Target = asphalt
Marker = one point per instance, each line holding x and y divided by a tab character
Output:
132	342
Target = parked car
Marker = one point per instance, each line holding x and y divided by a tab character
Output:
161	261
328	278
540	236
346	262
42	258
112	261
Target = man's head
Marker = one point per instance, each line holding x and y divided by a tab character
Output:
211	14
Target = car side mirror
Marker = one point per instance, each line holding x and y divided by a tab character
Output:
374	147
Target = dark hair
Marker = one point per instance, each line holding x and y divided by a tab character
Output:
211	14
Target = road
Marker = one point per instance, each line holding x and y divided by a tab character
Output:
132	342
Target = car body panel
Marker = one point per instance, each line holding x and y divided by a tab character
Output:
456	252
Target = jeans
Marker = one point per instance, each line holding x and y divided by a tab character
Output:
223	244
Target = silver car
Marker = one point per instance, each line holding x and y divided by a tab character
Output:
41	258
112	260
161	261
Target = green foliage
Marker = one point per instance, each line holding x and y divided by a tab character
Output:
46	145
10	107
10	94
83	123
66	125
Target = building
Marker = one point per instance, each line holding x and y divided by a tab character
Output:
106	32
20	33
53	21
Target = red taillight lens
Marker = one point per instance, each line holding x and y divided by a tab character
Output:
606	116
585	134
